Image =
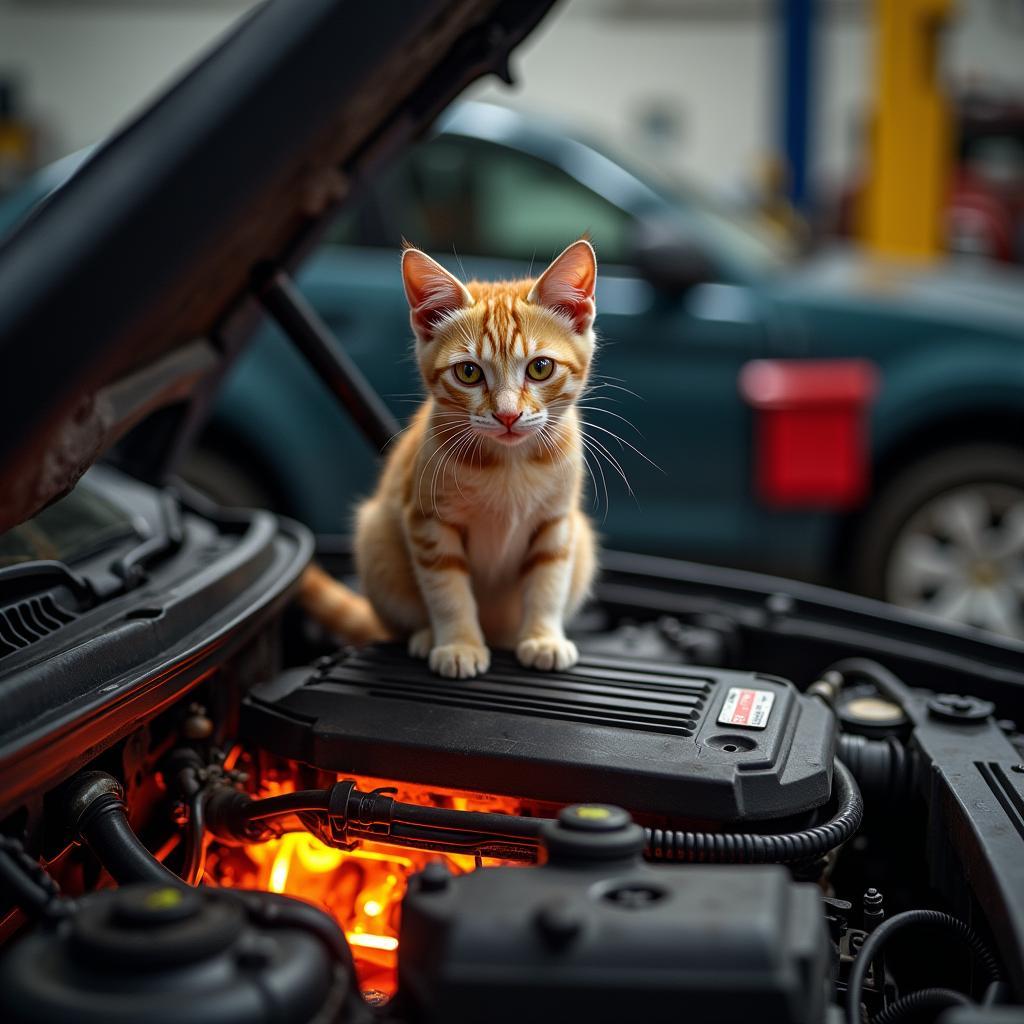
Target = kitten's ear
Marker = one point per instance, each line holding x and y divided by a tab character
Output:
432	292
567	286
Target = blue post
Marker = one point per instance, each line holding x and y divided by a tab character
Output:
797	67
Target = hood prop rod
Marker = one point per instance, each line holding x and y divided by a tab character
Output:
288	308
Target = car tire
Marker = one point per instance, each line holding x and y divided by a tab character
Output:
946	536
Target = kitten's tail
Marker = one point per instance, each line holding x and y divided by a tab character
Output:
339	609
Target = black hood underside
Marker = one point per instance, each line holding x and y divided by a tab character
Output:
129	289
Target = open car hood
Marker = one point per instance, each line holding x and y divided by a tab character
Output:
131	288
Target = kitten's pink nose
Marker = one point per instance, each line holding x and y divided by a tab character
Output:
507	418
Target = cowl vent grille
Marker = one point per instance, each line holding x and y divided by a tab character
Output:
28	621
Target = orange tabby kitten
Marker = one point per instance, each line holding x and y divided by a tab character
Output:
475	536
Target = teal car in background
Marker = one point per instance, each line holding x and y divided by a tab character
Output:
687	299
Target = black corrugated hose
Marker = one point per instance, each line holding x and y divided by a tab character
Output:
777	848
909	919
933	999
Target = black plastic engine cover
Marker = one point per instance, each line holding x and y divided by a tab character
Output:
612	943
649	736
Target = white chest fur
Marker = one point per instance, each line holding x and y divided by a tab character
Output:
497	546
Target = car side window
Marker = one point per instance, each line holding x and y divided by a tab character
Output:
483	199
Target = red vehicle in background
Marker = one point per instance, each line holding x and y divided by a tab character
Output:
986	207
985	213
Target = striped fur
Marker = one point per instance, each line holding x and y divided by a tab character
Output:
475	536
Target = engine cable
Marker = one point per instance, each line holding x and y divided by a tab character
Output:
908	919
343	814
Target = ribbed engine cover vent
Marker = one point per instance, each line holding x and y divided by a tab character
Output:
28	621
603	692
642	734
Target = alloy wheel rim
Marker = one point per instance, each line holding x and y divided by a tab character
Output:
961	557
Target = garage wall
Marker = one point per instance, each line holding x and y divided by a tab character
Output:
710	67
688	83
85	66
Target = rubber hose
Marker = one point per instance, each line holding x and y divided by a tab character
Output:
28	886
506	826
778	848
194	862
887	683
288	803
273	910
317	801
884	769
511	830
105	828
934	999
908	919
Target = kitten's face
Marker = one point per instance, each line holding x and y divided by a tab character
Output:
509	365
506	359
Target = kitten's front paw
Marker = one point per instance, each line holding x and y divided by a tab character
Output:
460	661
420	643
547	653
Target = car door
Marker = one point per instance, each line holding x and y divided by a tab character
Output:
663	411
667	436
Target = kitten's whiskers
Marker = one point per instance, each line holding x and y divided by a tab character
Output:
622	441
438	449
444	450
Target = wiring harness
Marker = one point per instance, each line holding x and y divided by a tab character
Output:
342	815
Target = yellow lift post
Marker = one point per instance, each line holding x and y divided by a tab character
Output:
911	139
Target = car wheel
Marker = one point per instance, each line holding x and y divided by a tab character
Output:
228	481
946	537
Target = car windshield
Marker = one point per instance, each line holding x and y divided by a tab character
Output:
78	526
483	198
738	239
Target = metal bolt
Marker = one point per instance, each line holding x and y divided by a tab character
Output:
873	909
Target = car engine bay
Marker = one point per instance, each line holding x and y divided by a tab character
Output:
752	800
275	828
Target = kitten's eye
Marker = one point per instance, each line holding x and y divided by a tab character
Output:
540	369
468	373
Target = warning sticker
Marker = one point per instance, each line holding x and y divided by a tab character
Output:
748	708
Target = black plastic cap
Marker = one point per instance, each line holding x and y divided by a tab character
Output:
153	927
594	818
435	877
592	832
154	907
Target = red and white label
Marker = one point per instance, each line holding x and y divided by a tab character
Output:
747	708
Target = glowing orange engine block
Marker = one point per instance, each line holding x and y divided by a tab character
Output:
361	888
